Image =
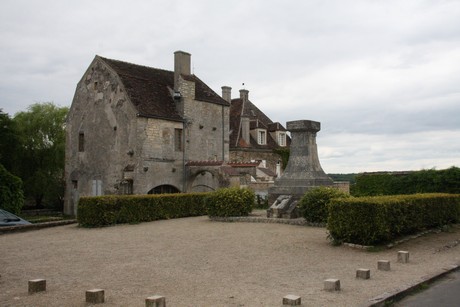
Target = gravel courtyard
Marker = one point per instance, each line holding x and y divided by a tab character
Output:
197	262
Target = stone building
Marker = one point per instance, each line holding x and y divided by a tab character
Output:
134	129
254	136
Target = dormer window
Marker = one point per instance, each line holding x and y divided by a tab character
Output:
261	137
281	138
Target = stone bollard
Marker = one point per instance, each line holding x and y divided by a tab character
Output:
292	300
95	296
403	256
332	285
383	265
363	273
37	285
155	301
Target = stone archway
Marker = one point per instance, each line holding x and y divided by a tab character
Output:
164	189
203	180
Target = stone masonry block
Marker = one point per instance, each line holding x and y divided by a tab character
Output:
332	284
292	300
403	256
363	273
155	301
383	265
95	296
37	285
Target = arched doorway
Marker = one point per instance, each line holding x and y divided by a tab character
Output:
164	189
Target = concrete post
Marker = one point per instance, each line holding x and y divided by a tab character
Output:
37	285
95	296
155	301
292	300
403	256
383	265
332	284
363	273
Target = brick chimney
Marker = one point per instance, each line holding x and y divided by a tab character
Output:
181	66
227	93
244	95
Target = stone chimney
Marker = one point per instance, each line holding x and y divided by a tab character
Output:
227	93
244	95
181	66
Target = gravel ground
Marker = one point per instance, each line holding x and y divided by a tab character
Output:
197	262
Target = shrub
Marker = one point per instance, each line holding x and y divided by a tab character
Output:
230	202
114	209
11	194
313	205
371	220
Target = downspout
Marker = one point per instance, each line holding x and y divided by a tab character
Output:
184	171
223	134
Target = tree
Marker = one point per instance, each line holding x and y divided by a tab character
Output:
9	142
42	145
11	195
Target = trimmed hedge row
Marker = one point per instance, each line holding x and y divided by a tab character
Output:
115	209
373	220
424	181
230	202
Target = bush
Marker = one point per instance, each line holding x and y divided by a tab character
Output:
313	205
11	194
372	220
115	209
230	202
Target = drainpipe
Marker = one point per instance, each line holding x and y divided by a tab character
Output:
223	134
184	172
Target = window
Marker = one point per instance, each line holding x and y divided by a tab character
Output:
81	142
127	186
261	137
282	139
97	187
178	139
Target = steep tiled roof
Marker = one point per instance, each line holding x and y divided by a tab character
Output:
257	118
149	89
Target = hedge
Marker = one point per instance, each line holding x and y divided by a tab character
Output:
396	183
373	220
114	209
230	202
313	205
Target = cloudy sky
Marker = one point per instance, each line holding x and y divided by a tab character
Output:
382	76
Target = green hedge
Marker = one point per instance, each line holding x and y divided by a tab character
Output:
313	205
114	209
396	183
230	202
373	220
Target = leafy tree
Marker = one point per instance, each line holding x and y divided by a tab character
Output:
11	195
9	142
42	141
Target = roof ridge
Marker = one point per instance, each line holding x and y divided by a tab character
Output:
129	63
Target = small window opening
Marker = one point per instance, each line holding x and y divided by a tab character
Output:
81	142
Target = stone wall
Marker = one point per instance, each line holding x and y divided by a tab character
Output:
207	134
101	114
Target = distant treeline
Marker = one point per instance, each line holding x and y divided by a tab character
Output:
398	183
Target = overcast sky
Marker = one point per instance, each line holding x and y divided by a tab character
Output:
382	77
